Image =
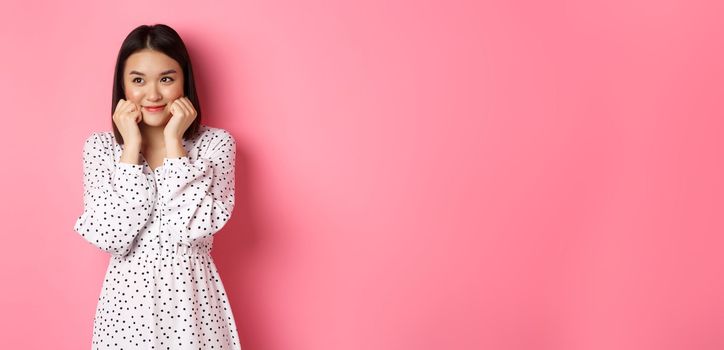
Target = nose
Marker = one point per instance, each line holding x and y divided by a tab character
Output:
153	94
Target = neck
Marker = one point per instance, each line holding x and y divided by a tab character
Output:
152	137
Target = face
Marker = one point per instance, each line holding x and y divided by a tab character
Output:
150	78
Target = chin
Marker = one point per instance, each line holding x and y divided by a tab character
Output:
155	120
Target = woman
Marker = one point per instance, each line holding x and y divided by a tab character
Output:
156	190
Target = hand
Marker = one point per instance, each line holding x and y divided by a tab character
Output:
126	116
183	114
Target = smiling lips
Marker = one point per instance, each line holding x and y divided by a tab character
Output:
154	108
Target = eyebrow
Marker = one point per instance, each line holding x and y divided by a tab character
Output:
162	73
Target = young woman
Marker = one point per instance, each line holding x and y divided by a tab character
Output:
156	190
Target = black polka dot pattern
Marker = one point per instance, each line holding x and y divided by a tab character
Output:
162	289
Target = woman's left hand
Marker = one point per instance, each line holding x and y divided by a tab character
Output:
183	114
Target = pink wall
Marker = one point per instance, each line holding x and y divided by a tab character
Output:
414	174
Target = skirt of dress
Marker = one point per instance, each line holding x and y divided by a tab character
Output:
164	301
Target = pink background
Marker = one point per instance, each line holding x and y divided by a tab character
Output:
413	174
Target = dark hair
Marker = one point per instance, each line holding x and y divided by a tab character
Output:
162	38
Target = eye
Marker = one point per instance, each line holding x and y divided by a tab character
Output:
168	78
134	79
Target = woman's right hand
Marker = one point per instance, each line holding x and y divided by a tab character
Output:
126	117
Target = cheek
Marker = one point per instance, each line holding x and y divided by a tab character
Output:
133	94
174	91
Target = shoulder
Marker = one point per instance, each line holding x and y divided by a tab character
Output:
214	137
215	133
100	140
98	147
215	143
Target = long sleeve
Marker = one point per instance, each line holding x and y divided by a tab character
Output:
197	197
116	199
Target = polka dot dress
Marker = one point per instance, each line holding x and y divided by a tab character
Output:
161	289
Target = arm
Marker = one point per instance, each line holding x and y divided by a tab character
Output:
116	201
197	198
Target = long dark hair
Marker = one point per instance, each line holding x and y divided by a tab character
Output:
162	38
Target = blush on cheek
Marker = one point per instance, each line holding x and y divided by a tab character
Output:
132	94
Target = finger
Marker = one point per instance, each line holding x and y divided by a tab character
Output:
139	114
131	111
119	107
175	109
180	105
189	105
129	107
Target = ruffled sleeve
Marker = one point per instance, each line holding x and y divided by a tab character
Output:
116	199
197	197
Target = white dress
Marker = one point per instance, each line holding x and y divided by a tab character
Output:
161	289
